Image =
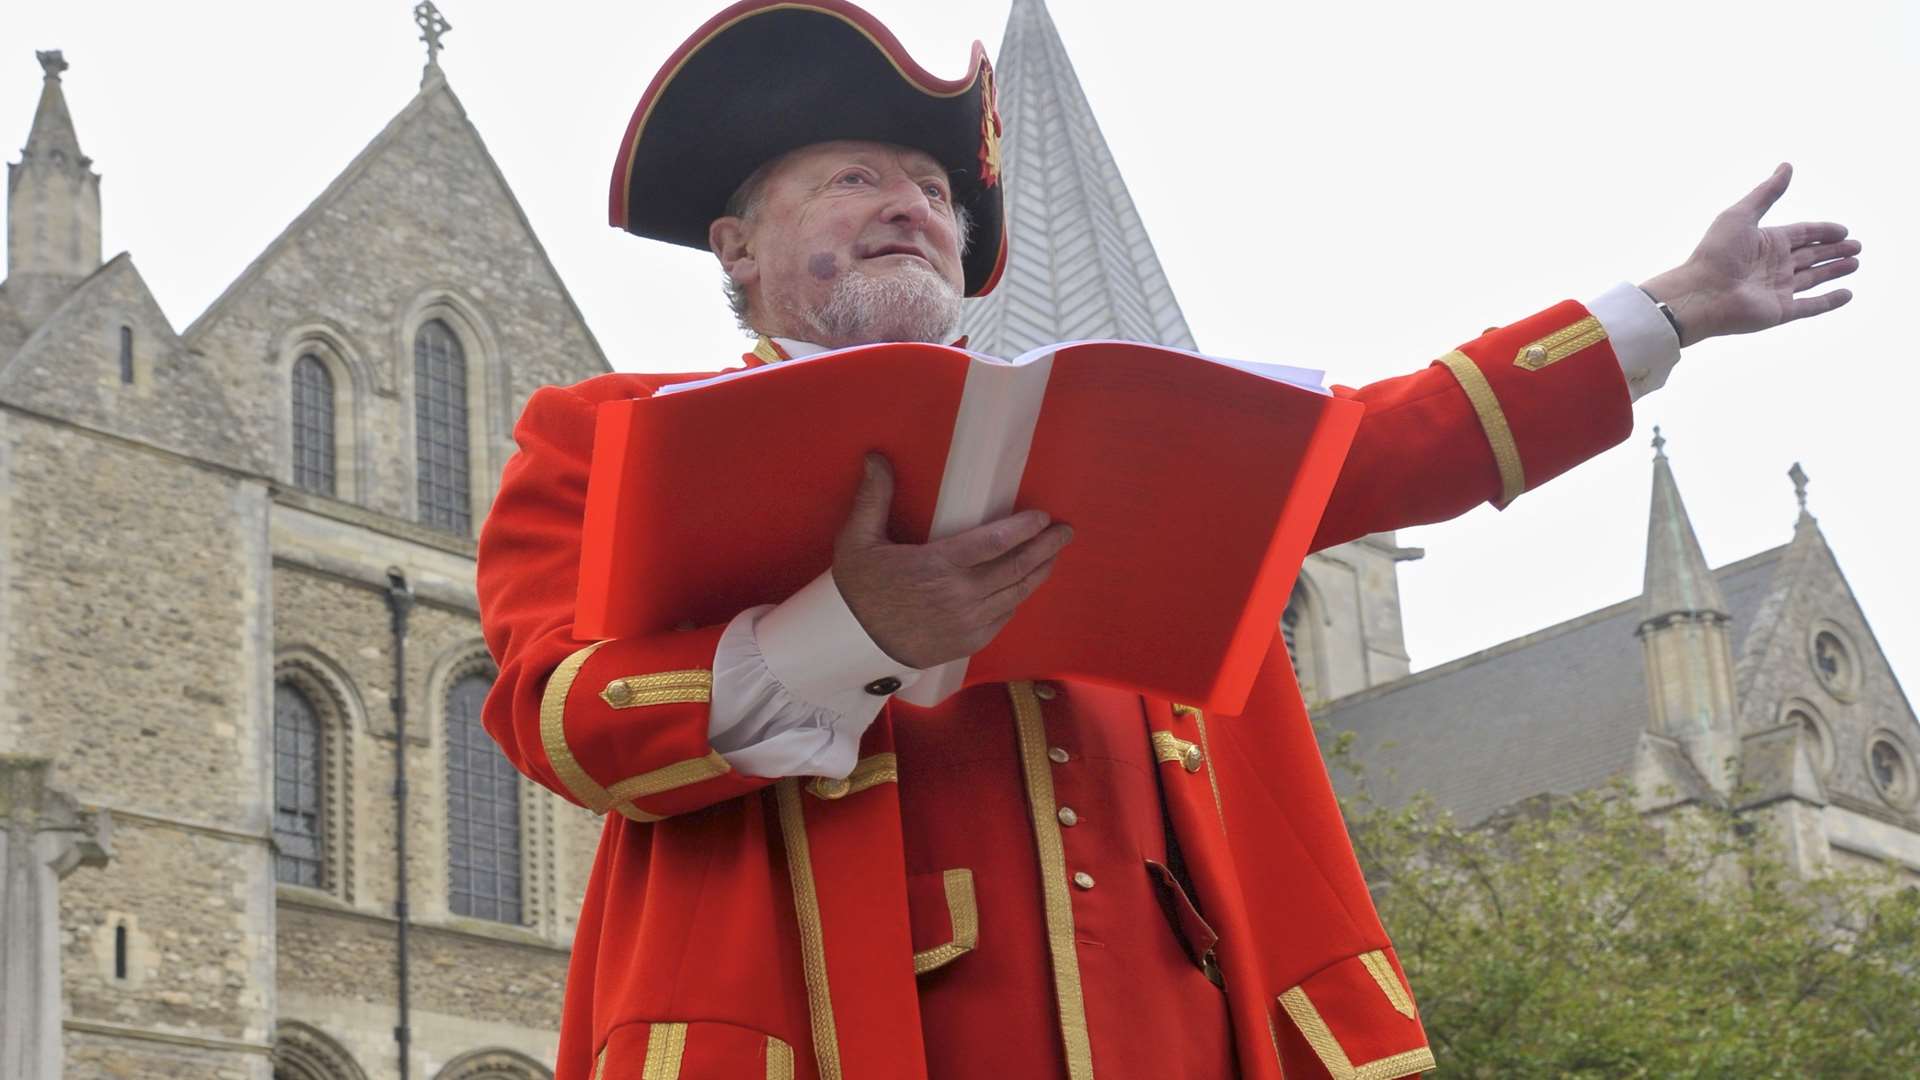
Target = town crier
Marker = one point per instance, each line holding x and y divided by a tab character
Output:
801	875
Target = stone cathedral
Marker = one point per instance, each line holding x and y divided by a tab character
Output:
253	827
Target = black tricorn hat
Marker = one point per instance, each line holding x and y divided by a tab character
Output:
764	77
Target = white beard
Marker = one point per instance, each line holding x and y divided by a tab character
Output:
914	304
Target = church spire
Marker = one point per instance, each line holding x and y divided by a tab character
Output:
53	205
1079	263
1683	635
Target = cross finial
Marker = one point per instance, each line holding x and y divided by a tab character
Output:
432	25
51	62
1659	442
1799	477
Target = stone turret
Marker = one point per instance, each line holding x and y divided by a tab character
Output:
53	206
1683	631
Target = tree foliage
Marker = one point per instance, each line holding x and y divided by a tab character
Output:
1580	937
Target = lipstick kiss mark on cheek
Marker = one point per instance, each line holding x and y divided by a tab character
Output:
823	266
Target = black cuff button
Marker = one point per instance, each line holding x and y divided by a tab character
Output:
883	687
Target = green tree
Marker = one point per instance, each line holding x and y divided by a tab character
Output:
1580	937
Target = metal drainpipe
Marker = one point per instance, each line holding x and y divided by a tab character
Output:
399	603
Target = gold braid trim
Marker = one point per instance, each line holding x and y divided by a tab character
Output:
666	1045
553	733
767	351
1053	881
1334	1056
779	1060
1273	1036
1381	969
1200	721
964	917
1560	344
1493	420
871	771
806	910
664	688
668	777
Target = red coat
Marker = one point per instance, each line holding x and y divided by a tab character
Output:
737	926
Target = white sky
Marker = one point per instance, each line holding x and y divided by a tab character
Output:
1352	186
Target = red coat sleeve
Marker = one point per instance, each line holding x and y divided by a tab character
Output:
612	725
1503	413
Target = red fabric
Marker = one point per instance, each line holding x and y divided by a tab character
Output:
694	918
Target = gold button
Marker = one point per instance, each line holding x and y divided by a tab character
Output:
617	693
1536	355
1083	879
830	788
1068	817
1045	691
1058	755
1191	759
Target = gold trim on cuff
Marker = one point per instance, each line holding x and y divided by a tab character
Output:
666	1045
1053	880
1334	1056
964	916
1382	971
668	777
1493	420
664	688
872	770
806	910
1560	344
553	733
779	1060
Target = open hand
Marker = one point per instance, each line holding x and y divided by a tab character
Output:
1743	277
926	604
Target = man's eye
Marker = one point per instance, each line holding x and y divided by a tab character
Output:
935	192
852	178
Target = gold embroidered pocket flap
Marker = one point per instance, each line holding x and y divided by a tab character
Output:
945	917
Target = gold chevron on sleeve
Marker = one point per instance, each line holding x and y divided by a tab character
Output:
1493	420
1560	344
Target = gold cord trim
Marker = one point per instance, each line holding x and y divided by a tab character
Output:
668	777
634	813
1273	1036
1382	971
1053	880
779	1060
765	349
806	909
1493	420
666	1045
1319	1035
600	1064
1560	344
667	687
1175	750
1200	722
553	733
872	770
963	914
1391	1068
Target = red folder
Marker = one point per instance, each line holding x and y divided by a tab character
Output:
1193	486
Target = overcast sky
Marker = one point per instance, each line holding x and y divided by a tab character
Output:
1359	187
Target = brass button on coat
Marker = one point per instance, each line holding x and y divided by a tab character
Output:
617	693
1058	755
1536	356
1191	759
1045	691
1083	879
1068	817
828	787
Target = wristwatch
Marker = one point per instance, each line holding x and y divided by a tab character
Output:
1667	311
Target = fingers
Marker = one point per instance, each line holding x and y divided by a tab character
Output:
1825	272
1815	232
999	573
984	543
1803	306
1001	605
867	521
1761	199
1813	254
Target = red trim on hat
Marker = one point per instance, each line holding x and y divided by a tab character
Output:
860	20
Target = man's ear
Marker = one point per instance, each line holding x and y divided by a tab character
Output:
727	237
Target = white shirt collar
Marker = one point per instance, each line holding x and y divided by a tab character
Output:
797	349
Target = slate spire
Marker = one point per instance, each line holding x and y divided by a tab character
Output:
1079	263
53	205
1677	578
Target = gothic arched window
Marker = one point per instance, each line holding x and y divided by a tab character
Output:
313	425
483	811
440	428
297	834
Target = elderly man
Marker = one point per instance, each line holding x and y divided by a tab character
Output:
802	876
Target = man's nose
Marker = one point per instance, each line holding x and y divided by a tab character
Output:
906	203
